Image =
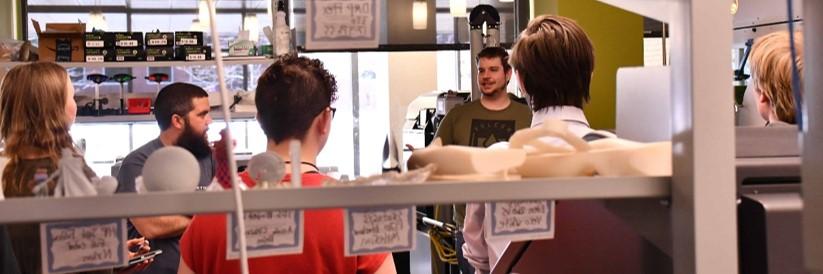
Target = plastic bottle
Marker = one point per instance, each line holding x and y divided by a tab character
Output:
281	31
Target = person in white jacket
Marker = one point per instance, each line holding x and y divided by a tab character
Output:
553	61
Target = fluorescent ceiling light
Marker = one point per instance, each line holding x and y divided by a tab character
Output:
420	15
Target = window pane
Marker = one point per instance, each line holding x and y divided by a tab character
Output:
339	151
102	149
373	80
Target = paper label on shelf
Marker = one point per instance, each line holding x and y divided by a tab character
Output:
520	220
156	42
187	42
94	44
94	58
196	57
343	24
127	43
379	229
269	232
120	58
83	245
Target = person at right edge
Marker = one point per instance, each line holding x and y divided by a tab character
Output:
771	64
481	123
553	61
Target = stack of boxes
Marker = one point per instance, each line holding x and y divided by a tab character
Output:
190	46
159	46
99	47
128	47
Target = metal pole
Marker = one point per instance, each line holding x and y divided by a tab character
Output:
812	136
704	227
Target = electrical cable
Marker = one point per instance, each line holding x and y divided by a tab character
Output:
224	95
796	88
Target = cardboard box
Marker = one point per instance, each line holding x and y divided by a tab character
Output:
94	55
128	39
159	39
192	53
188	38
60	42
99	39
159	53
129	54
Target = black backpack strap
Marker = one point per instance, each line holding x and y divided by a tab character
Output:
593	136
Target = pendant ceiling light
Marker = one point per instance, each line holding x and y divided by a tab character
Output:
420	14
196	26
252	24
457	8
203	13
97	21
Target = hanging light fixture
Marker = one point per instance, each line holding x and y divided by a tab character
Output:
203	13
196	26
420	14
457	8
97	21
252	25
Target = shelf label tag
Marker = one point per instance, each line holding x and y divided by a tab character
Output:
520	220
269	232
187	42
94	58
94	44
379	229
78	246
157	42
127	43
196	57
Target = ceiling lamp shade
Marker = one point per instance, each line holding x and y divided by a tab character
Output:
97	20
252	25
457	8
420	16
203	13
196	26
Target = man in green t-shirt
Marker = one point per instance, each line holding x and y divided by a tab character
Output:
481	123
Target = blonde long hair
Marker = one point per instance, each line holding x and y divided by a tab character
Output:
33	118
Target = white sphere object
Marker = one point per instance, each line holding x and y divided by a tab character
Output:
266	167
171	168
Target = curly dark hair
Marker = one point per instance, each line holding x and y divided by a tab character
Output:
290	93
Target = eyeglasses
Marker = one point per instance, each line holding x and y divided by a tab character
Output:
333	111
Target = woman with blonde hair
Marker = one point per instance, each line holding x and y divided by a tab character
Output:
771	66
37	109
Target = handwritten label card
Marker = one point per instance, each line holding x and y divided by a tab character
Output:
521	220
270	232
342	24
83	245
379	230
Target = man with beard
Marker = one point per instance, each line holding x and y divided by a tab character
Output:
182	112
481	123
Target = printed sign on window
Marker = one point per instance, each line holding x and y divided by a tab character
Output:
78	246
379	230
520	220
269	232
342	24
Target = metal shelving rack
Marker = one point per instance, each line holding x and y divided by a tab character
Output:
812	136
228	61
702	188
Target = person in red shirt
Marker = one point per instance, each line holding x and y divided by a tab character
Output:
293	99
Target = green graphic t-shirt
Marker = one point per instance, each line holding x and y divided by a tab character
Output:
474	125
